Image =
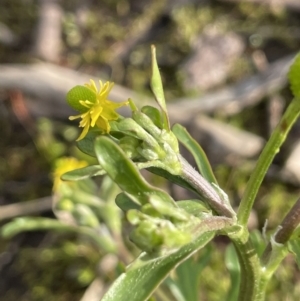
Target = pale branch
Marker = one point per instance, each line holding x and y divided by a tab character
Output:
233	99
47	38
26	208
46	86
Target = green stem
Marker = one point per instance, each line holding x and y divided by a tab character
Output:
270	150
276	250
255	275
262	287
277	255
250	267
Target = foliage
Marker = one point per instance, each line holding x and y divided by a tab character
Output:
167	232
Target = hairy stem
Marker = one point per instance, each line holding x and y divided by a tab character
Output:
205	189
250	267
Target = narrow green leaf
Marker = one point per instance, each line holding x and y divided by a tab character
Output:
22	224
88	186
85	216
77	196
294	76
124	172
188	276
154	114
196	150
294	247
258	241
108	190
83	173
233	266
147	272
157	88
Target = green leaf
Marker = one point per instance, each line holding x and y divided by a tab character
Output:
108	190
294	247
110	213
86	145
258	241
77	196
157	88
144	235
233	266
130	145
124	172
163	137
80	93
83	173
154	114
186	280
196	150
131	128
294	76
194	207
151	150
147	124
168	209
85	216
147	272
180	181
22	224
88	186
125	202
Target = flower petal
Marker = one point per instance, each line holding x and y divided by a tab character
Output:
101	111
103	124
84	132
95	113
92	86
75	117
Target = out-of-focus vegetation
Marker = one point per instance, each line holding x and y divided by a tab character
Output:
112	38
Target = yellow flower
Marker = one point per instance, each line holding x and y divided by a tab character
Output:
64	165
100	112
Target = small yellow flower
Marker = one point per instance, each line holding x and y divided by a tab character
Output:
64	165
100	112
